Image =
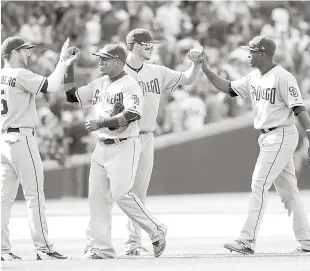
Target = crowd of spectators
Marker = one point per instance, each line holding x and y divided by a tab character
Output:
219	26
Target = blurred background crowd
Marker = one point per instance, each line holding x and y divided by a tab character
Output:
219	26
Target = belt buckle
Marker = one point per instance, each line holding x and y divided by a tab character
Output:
117	140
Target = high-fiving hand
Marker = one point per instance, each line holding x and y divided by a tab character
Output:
196	55
68	54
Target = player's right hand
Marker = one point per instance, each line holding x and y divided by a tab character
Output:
196	55
92	125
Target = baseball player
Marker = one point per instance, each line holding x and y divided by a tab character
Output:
20	159
153	80
116	155
276	98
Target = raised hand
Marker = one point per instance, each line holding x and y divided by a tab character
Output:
65	50
73	56
196	55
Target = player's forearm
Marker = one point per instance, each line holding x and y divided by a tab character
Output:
62	78
304	120
191	74
120	120
217	81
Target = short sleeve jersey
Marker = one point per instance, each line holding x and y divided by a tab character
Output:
273	96
18	89
153	80
102	95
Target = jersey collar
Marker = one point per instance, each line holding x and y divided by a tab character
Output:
117	77
136	70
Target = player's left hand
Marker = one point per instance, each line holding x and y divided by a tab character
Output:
196	55
73	57
91	125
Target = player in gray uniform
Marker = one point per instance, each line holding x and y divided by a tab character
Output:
153	80
276	98
20	158
115	158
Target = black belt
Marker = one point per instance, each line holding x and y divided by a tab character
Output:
144	132
15	130
265	131
110	141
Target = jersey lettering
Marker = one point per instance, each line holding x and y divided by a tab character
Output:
96	96
8	80
4	104
268	94
151	86
107	98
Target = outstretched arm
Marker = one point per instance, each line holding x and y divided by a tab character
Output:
57	80
219	82
191	74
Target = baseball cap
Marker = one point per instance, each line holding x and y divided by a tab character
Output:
14	43
261	43
140	35
113	51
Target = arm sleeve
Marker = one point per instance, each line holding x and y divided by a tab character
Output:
171	78
31	82
84	95
133	99
290	91
241	87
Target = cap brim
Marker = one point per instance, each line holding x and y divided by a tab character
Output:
106	56
29	46
26	46
249	48
103	55
155	41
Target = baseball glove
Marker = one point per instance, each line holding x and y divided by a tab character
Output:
117	108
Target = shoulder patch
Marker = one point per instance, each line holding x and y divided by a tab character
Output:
293	91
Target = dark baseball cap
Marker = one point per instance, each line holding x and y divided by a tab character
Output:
261	43
140	35
14	43
113	51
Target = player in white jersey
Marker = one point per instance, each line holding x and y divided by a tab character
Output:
20	158
116	155
153	80
276	98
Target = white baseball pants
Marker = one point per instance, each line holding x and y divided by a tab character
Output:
275	166
112	174
21	162
140	186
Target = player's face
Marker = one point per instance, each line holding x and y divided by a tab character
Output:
106	65
255	58
23	56
146	50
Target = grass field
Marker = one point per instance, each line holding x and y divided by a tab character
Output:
198	225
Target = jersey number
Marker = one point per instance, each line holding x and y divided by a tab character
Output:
4	104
